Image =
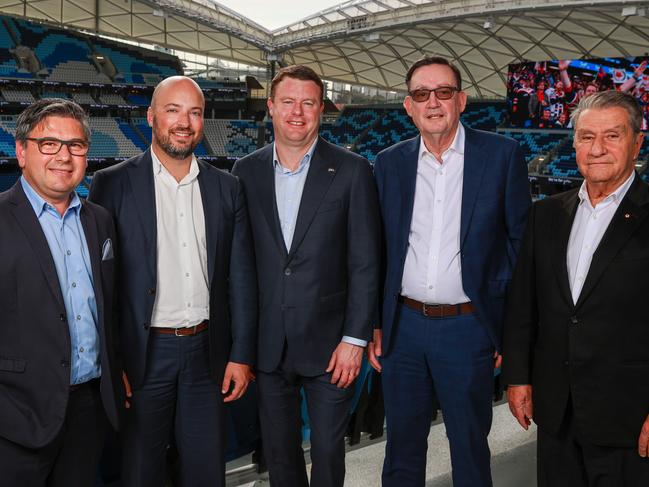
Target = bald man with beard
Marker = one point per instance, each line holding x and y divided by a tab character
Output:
188	293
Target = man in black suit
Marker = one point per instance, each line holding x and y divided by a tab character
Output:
188	293
60	381
576	342
315	223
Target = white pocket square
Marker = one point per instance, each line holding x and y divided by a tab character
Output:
107	250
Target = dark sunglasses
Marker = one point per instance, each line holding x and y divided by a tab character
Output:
441	93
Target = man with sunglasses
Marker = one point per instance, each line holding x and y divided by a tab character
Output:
454	203
60	381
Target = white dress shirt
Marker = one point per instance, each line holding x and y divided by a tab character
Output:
587	231
182	295
432	272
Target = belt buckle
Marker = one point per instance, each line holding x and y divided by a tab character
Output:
423	309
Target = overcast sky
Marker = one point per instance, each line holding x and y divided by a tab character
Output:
277	13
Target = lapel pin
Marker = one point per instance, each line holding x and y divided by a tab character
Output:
627	215
331	169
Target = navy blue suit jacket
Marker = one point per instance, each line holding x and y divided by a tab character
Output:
495	203
326	285
127	191
34	333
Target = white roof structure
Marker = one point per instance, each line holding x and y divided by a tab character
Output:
372	42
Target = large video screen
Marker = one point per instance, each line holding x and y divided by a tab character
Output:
543	94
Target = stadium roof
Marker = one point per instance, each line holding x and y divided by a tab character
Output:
372	42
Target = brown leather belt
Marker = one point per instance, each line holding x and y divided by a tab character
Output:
437	310
182	332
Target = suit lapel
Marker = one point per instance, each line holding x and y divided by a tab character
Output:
560	234
474	167
407	180
89	225
140	174
212	207
322	171
265	189
627	218
26	218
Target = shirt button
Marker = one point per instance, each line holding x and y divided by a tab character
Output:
186	274
74	284
69	253
189	305
182	214
184	244
78	317
287	271
81	350
431	287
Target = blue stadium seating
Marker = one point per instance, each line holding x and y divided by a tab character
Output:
7	180
139	100
7	144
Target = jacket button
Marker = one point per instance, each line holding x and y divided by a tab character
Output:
64	363
145	326
151	290
574	320
287	271
62	317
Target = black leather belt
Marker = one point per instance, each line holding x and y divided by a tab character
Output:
437	310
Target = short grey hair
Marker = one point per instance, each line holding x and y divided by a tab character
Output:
38	111
611	99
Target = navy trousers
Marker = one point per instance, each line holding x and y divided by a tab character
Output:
179	397
281	423
453	358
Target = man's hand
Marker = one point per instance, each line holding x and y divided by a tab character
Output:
639	71
374	349
127	390
498	360
345	364
643	442
563	65
240	375
520	404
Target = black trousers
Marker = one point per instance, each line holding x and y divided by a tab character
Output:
567	460
281	423
70	460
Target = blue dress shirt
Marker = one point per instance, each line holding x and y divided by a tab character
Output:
69	251
289	186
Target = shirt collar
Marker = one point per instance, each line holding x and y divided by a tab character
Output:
158	168
305	160
39	204
616	195
456	146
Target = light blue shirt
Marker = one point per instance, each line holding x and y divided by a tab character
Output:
69	251
289	186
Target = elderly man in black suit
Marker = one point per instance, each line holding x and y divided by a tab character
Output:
60	381
576	342
188	293
315	223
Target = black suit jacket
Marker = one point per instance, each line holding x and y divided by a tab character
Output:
325	286
595	351
127	191
35	352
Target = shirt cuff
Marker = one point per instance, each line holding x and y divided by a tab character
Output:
354	341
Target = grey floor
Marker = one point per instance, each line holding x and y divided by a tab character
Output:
513	458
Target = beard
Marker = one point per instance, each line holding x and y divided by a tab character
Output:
172	150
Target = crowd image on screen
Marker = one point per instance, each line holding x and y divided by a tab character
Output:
542	95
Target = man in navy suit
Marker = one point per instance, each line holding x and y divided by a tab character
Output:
188	293
60	378
315	224
454	203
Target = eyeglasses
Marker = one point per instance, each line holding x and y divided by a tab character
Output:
441	93
50	145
